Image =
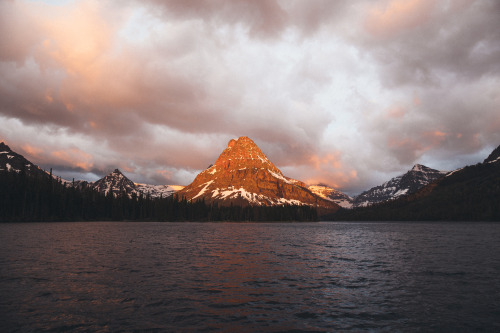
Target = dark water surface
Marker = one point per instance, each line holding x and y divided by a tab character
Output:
230	277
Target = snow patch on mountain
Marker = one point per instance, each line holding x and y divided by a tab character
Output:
278	176
204	189
253	198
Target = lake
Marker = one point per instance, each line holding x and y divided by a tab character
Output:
249	277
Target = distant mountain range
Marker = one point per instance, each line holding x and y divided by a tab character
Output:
243	175
408	183
116	183
471	193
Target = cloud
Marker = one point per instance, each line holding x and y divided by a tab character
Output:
389	18
331	91
259	18
75	158
427	43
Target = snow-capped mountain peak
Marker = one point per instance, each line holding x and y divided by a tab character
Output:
419	168
243	175
416	178
116	183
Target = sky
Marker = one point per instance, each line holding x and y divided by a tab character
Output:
345	93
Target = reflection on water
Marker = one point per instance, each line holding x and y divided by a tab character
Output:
229	277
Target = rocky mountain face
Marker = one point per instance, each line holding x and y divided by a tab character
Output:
12	161
328	193
243	175
418	177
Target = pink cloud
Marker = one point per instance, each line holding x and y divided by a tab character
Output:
74	158
395	112
389	18
328	160
32	152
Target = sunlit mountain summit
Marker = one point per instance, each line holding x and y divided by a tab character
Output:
243	175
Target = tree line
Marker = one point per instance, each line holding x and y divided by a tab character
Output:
35	197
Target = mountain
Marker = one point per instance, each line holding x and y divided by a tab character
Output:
243	175
418	177
116	182
328	193
471	193
12	161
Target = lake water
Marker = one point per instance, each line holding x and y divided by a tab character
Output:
249	277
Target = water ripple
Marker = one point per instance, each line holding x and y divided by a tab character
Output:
310	277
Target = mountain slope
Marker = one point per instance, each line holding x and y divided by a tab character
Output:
471	193
328	193
243	175
12	161
494	156
418	177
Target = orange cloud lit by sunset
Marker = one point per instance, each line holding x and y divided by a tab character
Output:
330	170
33	152
75	157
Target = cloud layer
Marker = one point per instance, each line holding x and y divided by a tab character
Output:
344	93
